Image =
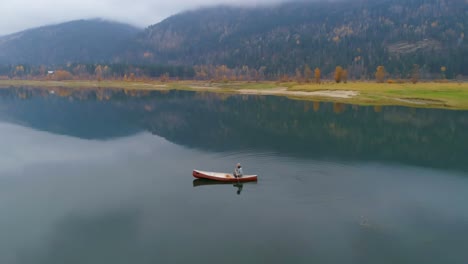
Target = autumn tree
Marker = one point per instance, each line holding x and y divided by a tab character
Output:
245	72
164	77
220	72
19	70
255	75
317	74
261	73
415	73
98	72
200	72
344	76
380	74
443	69
338	74
106	72
62	75
80	71
307	73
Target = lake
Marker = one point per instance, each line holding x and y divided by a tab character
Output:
105	176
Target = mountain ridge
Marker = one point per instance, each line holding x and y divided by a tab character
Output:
360	34
279	39
91	40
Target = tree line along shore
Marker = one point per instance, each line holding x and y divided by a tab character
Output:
219	73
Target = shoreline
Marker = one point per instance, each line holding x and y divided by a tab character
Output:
446	95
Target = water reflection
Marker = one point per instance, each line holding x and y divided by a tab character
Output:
228	123
23	147
104	177
237	186
205	182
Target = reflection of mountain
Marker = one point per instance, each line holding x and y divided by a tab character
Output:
234	123
82	115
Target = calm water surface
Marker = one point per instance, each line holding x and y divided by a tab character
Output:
105	177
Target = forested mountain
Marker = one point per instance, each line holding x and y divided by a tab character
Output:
86	41
269	41
358	35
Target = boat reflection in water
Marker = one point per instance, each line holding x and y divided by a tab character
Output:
239	186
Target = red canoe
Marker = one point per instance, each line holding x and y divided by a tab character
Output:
224	177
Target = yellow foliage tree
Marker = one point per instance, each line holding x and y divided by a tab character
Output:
338	74
380	74
61	75
317	74
344	76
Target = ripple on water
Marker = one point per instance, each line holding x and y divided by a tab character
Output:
272	166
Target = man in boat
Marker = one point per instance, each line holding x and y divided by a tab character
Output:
238	171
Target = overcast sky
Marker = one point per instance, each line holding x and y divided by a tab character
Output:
16	15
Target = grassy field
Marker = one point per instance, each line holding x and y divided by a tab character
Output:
450	95
427	94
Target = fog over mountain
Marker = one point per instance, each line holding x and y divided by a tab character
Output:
402	35
19	15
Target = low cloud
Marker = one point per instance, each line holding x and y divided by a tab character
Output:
18	15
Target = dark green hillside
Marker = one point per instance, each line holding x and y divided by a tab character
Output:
359	35
274	40
77	41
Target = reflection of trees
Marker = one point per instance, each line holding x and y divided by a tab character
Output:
338	108
229	123
75	93
414	136
316	106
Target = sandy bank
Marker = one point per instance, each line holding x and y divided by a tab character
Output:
283	91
